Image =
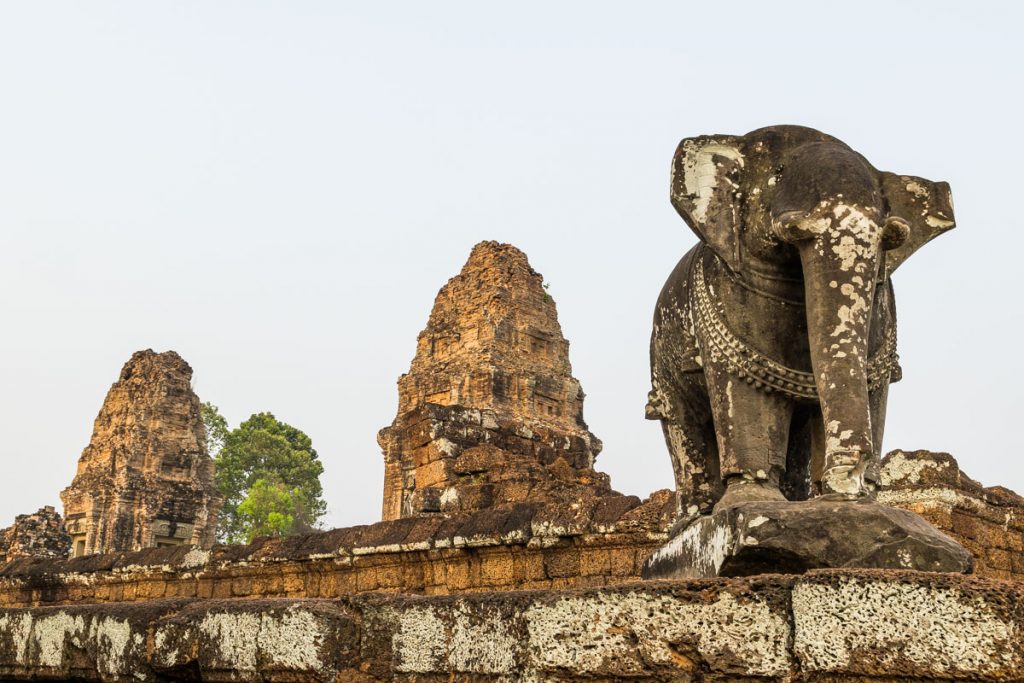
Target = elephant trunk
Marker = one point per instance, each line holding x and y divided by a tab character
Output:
840	255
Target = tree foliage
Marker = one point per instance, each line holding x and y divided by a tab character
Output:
216	427
269	509
269	475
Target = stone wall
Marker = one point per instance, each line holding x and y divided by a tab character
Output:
823	626
530	545
145	479
530	591
523	546
989	522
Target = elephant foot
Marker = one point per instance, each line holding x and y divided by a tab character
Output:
741	490
846	481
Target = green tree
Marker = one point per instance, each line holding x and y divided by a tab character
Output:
269	509
263	448
216	427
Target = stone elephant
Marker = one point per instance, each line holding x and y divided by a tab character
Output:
774	339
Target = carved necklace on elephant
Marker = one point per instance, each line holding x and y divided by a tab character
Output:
756	368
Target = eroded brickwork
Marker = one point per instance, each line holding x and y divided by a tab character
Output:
40	534
514	547
145	479
989	522
522	546
489	412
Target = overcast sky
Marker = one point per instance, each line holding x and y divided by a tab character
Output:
277	190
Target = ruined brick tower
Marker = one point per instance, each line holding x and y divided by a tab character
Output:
145	479
40	534
489	413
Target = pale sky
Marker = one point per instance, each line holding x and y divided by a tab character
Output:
277	190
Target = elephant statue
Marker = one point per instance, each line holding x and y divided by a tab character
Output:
774	338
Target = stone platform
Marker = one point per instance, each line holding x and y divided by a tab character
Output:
822	626
792	537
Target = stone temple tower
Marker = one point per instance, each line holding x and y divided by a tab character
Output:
145	479
489	412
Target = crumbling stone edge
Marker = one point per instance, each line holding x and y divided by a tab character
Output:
825	624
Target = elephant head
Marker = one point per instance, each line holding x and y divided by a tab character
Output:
800	203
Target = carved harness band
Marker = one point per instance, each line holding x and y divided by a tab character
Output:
763	372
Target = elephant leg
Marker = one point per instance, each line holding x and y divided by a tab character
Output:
690	436
877	401
797	482
817	462
752	427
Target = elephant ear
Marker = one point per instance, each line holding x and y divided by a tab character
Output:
705	179
926	206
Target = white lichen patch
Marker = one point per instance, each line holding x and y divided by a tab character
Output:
449	496
900	468
938	222
51	635
615	633
933	497
419	641
757	521
704	551
114	639
459	637
45	641
288	640
701	174
234	638
860	625
917	189
196	557
446	446
481	642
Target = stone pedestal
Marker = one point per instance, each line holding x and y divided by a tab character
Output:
793	537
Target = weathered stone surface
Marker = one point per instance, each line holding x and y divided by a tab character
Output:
908	626
232	640
823	626
774	339
40	534
145	479
528	545
489	412
989	522
79	642
792	537
610	634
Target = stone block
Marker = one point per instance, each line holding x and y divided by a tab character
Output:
562	562
594	562
257	640
87	642
497	568
907	626
433	473
623	562
792	537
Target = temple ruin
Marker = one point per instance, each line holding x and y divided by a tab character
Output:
489	412
145	480
40	534
504	554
